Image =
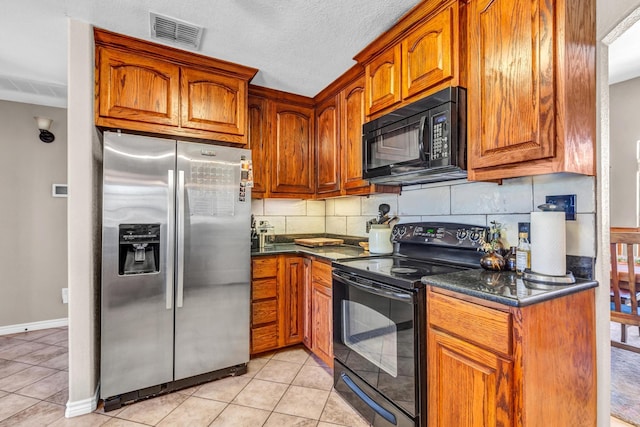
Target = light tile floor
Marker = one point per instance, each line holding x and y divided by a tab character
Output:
289	387
281	389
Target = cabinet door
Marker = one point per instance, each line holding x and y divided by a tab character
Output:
383	81
307	339
258	142
213	102
322	315
328	150
428	53
291	301
292	150
467	386
351	120
264	304
137	88
510	82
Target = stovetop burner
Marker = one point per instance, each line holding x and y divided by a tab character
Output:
403	270
395	270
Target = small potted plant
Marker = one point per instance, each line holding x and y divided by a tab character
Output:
493	246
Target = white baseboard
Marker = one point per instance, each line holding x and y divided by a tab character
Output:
82	407
34	326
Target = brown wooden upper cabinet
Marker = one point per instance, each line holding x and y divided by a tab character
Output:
327	147
143	86
382	81
282	144
351	120
292	162
258	142
417	55
339	119
428	52
531	87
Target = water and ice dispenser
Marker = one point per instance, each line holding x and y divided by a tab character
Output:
139	248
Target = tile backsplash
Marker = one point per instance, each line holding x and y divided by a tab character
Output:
476	203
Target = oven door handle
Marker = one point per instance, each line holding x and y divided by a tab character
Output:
368	400
398	296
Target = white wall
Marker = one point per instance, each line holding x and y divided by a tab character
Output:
624	104
33	224
84	174
612	18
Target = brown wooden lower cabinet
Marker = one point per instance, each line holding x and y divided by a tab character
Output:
277	310
264	304
290	300
321	313
493	365
291	304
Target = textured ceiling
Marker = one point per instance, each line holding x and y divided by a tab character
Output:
299	46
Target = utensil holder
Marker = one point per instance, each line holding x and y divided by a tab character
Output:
380	239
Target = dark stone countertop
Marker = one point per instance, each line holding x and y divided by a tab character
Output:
501	287
504	287
329	252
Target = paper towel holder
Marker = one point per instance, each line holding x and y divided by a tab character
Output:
543	278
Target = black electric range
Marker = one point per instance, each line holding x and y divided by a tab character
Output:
379	319
421	249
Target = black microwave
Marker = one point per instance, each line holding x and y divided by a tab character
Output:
422	142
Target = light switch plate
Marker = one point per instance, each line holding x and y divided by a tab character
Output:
567	203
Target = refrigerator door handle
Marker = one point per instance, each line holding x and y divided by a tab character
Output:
180	217
171	202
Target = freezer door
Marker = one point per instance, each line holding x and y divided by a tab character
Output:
213	260
137	264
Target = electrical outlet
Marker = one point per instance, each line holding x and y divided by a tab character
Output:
567	203
524	227
65	295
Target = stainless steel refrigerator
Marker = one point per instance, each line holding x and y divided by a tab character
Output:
175	265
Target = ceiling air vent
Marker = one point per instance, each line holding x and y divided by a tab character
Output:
175	30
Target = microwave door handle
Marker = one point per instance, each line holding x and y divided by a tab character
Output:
398	296
423	154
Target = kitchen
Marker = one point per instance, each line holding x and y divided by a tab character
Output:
343	212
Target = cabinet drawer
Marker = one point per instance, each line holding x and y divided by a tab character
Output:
264	312
264	338
264	267
263	288
474	323
321	273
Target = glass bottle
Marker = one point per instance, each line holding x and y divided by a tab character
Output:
523	253
510	259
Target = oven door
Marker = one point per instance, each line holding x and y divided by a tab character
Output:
375	345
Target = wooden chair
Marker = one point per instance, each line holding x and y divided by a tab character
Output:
625	282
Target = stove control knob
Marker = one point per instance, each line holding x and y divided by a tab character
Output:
394	233
400	230
474	236
462	234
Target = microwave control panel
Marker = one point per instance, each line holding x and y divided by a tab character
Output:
440	135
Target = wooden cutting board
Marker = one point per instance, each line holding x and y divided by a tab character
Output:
313	242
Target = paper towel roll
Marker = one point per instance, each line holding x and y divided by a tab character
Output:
548	243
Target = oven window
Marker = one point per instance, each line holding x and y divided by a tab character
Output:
372	335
